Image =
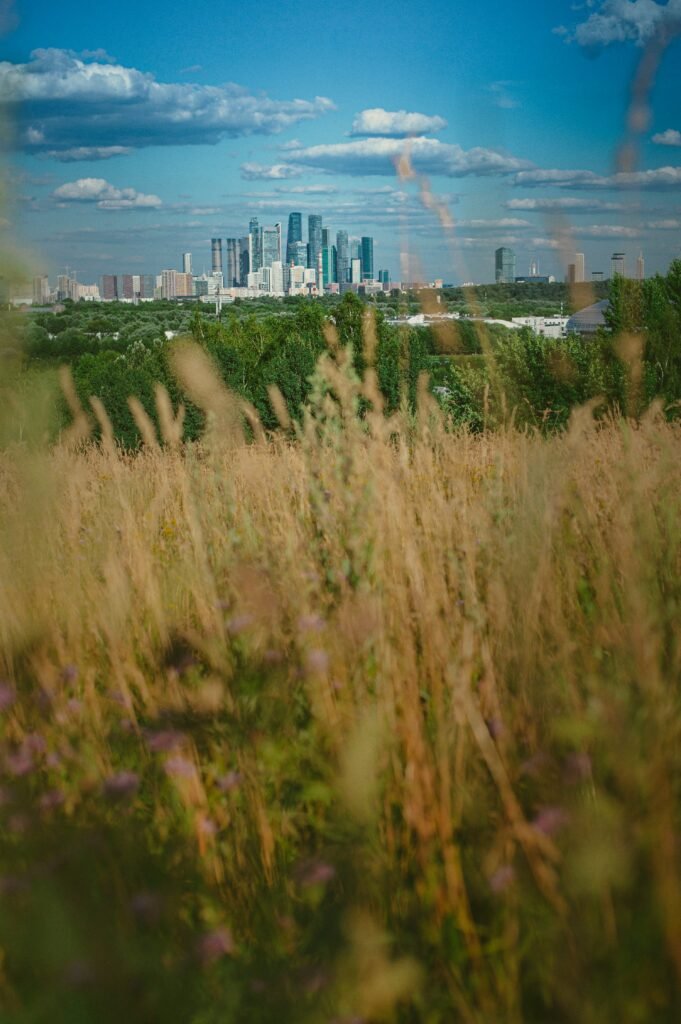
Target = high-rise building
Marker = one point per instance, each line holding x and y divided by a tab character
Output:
342	256
109	289
329	264
617	264
63	292
504	265
580	268
255	232
41	290
186	263
147	284
367	258
232	274
356	271
216	255
298	254
314	240
640	268
244	259
295	235
271	245
128	289
169	283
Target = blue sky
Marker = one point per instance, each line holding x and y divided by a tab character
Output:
144	129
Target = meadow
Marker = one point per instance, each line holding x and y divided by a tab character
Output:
364	718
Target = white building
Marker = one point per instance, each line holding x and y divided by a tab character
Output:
545	327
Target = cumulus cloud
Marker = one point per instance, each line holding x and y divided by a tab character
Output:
105	195
396	123
621	21
78	153
671	137
269	172
658	179
566	204
428	156
72	102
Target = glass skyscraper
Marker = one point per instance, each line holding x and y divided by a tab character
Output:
504	266
295	235
256	244
232	262
367	258
342	256
271	245
314	237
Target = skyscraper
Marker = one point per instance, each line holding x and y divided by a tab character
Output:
41	290
271	245
504	265
256	244
329	264
298	254
244	259
342	256
109	288
186	263
617	264
295	235
580	268
367	258
640	268
232	274
216	255
314	239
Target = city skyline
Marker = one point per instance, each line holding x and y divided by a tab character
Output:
131	145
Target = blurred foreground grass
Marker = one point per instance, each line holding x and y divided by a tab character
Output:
379	722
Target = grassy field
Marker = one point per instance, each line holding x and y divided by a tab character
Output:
377	722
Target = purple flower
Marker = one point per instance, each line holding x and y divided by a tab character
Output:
50	800
214	945
316	872
19	762
166	739
577	767
495	727
232	780
535	765
502	878
238	624
69	673
122	785
8	695
181	767
206	826
311	623
273	657
317	660
550	820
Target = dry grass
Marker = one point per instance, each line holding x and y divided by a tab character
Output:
398	708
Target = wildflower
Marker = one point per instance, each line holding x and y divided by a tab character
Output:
20	762
165	740
317	660
238	624
495	727
311	623
214	945
316	872
550	820
180	767
50	800
232	780
69	673
577	767
122	785
206	826
502	878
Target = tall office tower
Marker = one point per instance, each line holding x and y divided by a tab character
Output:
504	265
63	281
298	254
572	273
277	277
231	262
355	248
640	268
184	285
596	275
329	264
617	264
244	260
342	256
41	290
580	268
295	235
271	245
147	283
314	240
356	271
186	263
256	244
109	288
367	258
216	255
128	287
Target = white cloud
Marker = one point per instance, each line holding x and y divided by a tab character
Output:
566	204
607	231
621	21
658	179
77	102
269	172
502	224
670	224
671	137
428	156
105	195
377	121
502	97
78	153
323	190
